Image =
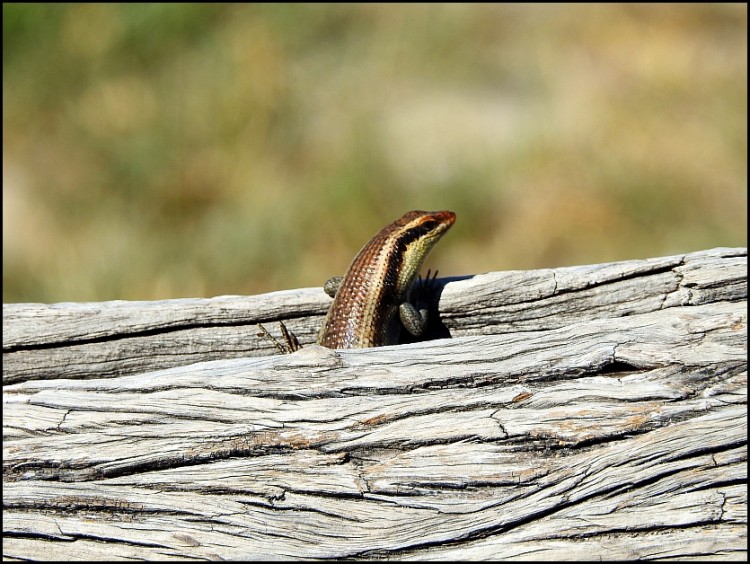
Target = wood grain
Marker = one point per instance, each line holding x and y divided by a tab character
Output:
587	412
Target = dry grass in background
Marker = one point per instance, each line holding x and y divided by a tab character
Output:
161	151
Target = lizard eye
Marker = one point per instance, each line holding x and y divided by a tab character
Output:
429	225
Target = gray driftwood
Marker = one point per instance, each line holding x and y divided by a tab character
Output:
576	413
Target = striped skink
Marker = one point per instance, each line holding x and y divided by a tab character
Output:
371	301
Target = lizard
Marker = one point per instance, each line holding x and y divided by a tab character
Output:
372	300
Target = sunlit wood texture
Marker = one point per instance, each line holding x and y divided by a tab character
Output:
577	413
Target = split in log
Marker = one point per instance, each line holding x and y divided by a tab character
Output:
575	413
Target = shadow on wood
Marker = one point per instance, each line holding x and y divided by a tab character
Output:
576	413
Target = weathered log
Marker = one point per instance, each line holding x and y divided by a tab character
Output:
586	412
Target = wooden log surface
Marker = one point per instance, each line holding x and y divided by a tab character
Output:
584	412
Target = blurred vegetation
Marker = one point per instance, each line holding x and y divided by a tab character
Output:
183	150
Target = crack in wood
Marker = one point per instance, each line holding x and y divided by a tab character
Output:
615	418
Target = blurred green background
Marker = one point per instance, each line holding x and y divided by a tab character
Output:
171	150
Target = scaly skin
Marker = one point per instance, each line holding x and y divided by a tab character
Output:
371	303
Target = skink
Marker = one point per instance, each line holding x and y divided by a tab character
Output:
371	301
